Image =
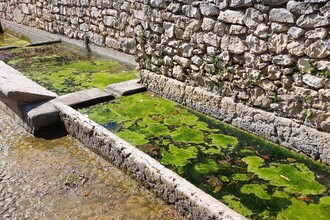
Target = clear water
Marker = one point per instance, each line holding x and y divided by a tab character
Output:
257	178
60	179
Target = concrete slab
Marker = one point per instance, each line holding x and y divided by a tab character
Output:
85	98
15	86
41	114
126	88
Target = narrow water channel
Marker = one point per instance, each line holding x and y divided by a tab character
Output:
60	179
257	178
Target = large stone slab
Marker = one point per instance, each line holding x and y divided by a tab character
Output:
126	88
85	97
41	114
15	86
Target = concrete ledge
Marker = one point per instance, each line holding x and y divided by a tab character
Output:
85	98
41	114
189	200
40	43
286	132
36	35
126	88
8	47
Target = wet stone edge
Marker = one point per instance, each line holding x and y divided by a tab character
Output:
188	199
284	131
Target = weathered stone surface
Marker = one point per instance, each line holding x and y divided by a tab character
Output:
282	60
191	11
296	48
318	49
313	81
296	32
125	88
256	45
281	15
317	33
274	2
299	7
304	64
278	43
240	3
232	17
312	21
17	87
253	18
209	9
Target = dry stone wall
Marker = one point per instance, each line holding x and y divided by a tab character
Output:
268	54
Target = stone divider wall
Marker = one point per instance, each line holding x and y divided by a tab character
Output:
189	200
269	54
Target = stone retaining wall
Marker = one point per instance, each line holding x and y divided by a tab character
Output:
189	200
272	55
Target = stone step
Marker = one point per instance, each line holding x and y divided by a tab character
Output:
126	88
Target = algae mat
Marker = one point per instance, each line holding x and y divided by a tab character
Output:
9	40
259	179
64	72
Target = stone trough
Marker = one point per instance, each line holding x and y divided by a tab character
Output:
34	107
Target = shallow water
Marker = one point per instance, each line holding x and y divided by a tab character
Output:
9	40
259	179
62	72
60	179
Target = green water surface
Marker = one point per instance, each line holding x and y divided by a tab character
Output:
64	72
9	40
257	178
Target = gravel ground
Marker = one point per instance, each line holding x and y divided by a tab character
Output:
61	179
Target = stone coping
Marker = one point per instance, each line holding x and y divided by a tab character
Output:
188	199
284	131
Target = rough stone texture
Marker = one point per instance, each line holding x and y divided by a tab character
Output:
278	129
186	197
268	44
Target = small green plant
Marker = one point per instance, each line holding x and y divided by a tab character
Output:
275	98
71	180
309	113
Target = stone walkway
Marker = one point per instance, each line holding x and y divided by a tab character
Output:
60	179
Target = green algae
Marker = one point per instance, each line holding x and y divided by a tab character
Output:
234	203
177	156
231	165
206	167
64	72
9	40
133	137
256	189
223	141
188	135
240	177
301	210
295	178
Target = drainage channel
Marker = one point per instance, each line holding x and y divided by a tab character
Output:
256	178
